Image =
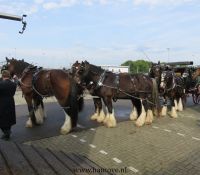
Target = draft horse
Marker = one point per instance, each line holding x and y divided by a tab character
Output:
110	86
37	83
170	87
99	114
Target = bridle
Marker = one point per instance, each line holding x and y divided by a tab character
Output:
163	82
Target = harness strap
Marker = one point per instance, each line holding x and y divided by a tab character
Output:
101	79
35	76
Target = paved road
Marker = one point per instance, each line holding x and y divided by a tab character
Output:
168	146
55	120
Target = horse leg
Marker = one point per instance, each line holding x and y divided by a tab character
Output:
134	113
141	119
101	115
31	119
67	126
44	114
176	104
149	116
180	104
38	110
173	113
95	115
164	108
110	120
71	108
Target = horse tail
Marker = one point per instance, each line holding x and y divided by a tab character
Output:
74	103
155	95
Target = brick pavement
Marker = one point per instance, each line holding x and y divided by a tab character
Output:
168	146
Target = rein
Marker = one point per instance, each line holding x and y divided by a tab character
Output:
124	92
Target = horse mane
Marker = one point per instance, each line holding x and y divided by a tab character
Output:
95	69
19	65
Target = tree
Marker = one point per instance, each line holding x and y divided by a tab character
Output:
138	66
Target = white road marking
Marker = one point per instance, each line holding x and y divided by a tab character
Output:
92	146
103	152
167	130
155	127
82	140
181	134
74	136
195	138
133	169
117	160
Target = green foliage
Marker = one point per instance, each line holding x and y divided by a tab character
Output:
138	66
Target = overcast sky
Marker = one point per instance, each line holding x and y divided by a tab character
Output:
59	32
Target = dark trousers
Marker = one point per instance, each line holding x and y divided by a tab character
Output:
6	130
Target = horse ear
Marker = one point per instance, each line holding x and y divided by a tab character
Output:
158	62
76	62
7	59
22	60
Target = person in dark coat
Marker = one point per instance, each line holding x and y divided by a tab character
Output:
7	104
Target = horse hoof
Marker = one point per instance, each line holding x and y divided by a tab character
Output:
148	123
105	121
111	124
133	118
94	117
28	125
64	132
138	124
39	122
100	119
173	116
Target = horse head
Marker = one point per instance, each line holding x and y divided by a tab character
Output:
86	74
78	71
15	67
167	80
155	72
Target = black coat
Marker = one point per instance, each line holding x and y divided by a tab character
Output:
7	103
